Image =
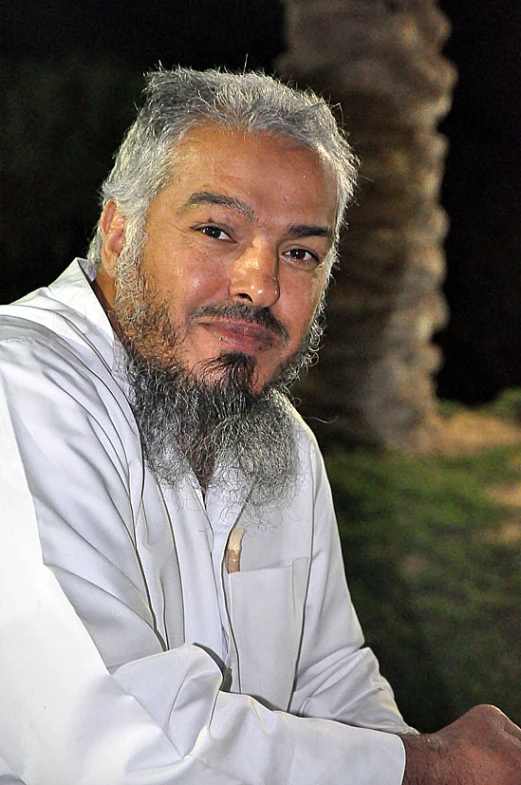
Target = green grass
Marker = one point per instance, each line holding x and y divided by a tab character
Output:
436	583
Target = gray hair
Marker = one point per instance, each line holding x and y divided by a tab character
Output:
178	100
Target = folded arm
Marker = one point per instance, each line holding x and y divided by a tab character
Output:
160	717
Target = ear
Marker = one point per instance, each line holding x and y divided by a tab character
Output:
112	225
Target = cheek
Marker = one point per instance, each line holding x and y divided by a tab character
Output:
186	294
319	285
296	316
185	279
201	285
302	302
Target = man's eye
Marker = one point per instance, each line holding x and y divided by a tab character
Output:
215	232
303	256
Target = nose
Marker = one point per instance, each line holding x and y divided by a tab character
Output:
254	277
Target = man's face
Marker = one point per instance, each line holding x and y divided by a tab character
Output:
248	220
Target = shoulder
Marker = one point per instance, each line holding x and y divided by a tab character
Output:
59	375
58	337
36	357
70	417
66	317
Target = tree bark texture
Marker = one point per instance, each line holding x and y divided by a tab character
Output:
381	62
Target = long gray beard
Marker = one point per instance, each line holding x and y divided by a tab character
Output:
207	424
202	425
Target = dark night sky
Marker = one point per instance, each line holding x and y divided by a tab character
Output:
481	191
201	33
485	43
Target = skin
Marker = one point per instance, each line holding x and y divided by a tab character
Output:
245	219
481	748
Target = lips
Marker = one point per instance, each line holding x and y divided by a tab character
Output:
241	327
240	335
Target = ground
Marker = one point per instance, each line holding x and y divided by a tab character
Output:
468	432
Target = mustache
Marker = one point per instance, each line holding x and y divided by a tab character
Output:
245	313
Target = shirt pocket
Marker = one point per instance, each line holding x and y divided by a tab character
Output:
266	609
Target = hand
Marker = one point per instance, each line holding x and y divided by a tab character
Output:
481	748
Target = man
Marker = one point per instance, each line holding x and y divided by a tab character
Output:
174	608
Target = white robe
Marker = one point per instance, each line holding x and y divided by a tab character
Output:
128	653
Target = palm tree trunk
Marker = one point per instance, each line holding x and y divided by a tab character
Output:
381	61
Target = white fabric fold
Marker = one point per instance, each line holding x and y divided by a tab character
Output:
114	614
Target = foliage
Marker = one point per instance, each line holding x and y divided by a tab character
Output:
435	576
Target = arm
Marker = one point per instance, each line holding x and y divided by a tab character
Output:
481	748
160	717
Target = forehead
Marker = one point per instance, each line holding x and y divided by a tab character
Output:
259	165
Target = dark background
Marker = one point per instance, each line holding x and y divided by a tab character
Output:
71	72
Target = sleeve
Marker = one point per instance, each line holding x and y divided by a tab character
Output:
338	677
161	718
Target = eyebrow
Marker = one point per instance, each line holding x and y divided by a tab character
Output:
295	231
207	197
